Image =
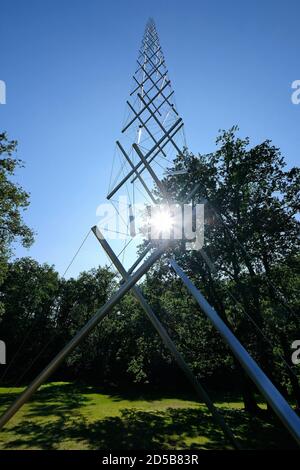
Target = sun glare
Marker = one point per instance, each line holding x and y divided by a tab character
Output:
162	221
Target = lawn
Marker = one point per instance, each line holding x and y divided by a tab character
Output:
64	415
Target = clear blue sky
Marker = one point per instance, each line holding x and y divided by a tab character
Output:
67	66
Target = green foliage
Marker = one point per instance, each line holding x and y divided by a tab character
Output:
28	294
13	200
251	235
251	238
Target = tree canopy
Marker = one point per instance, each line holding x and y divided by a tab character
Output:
248	270
13	201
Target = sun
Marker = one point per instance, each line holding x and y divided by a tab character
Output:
162	221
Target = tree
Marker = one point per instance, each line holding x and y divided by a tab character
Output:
28	294
13	200
253	277
250	229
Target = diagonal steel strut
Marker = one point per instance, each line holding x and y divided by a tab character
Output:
151	171
170	134
137	173
119	185
146	107
148	78
80	336
280	406
168	342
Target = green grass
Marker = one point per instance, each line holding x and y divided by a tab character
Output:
71	416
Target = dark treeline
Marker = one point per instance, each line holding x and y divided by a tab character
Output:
248	270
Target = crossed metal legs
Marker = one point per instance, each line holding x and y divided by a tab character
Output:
83	333
280	406
167	340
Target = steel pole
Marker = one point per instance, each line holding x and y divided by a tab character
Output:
168	342
79	337
111	194
280	406
137	173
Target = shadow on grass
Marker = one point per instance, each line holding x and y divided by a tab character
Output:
183	428
132	430
59	390
53	399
